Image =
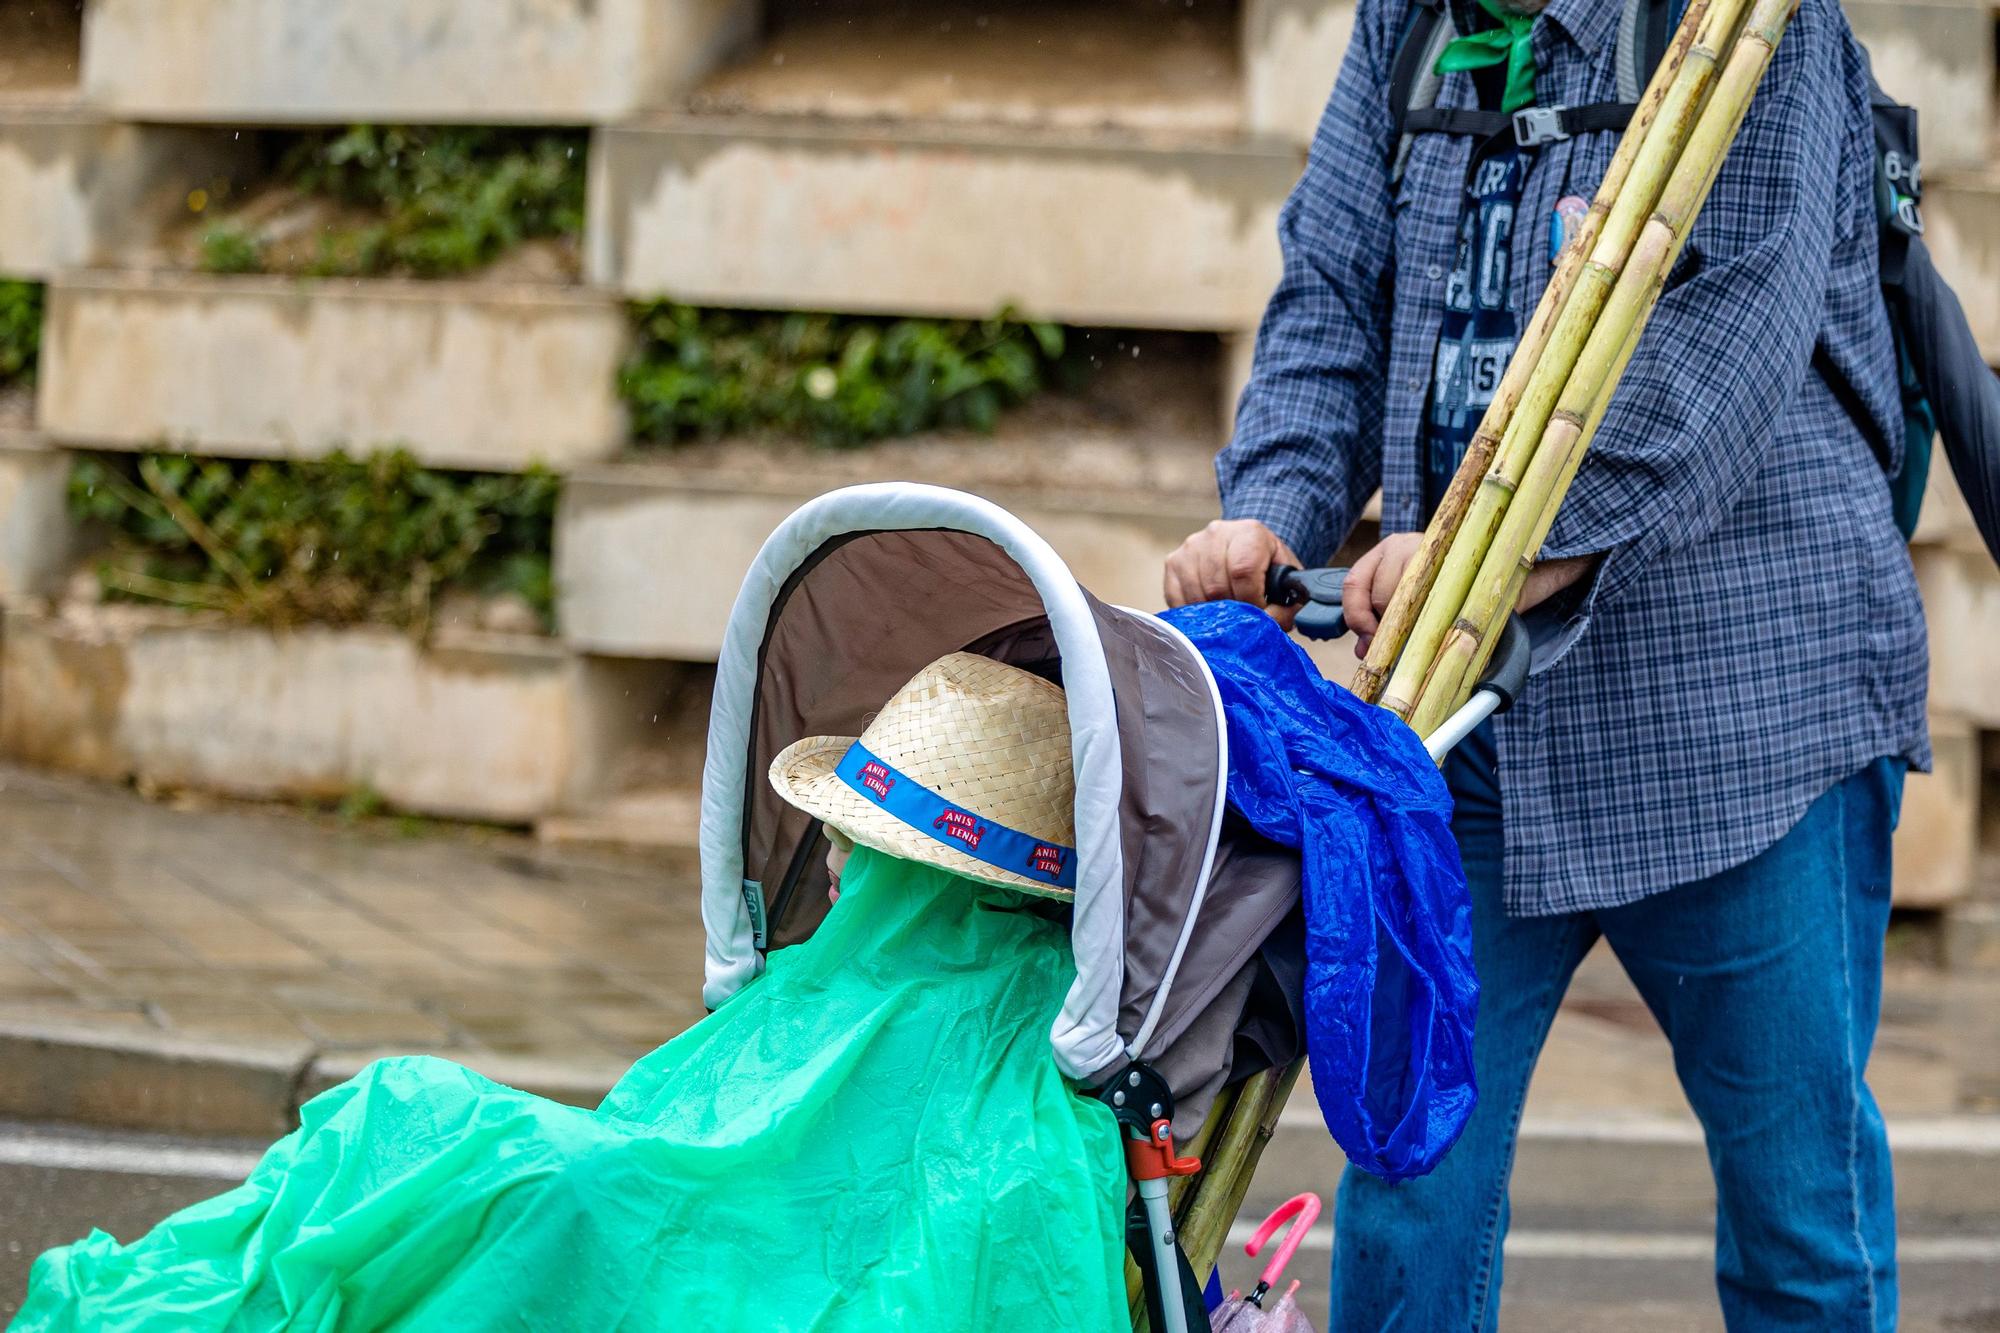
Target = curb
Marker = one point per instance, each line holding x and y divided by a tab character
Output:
164	1084
155	1081
1570	1174
1651	1172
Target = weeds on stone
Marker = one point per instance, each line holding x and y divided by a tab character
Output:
426	202
20	331
229	248
335	540
839	380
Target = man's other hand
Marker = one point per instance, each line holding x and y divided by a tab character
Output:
1226	561
1373	579
1371	582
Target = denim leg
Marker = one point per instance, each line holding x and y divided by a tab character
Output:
1424	1254
1767	980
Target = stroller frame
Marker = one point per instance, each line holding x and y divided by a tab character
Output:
809	650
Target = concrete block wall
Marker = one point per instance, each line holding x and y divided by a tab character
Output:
1291	49
473	375
80	189
336	61
1102	162
490	727
38	544
939	221
1936	55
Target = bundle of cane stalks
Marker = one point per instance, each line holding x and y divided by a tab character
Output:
1466	576
1456	592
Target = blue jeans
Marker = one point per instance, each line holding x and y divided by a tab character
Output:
1767	981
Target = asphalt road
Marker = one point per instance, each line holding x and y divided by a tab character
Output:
56	1184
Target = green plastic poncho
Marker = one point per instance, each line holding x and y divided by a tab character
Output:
872	1136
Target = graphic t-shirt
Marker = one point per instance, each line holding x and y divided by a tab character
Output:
1475	340
1479	329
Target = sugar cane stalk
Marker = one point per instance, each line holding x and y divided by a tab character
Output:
1465	654
1444	525
1587	395
1226	1178
1549	367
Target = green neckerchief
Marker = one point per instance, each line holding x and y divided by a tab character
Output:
1508	42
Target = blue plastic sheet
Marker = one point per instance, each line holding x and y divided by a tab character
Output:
1390	988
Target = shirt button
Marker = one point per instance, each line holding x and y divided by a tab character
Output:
1434	272
1415	384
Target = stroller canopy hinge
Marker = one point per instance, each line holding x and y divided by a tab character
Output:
1144	1107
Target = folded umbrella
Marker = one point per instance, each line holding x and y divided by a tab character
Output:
1249	1314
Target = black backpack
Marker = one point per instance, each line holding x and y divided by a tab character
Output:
1645	27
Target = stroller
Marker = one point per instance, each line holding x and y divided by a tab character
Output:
1191	1036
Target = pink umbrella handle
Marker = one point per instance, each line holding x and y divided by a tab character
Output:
1303	1207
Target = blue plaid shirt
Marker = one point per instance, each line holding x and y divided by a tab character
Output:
1753	633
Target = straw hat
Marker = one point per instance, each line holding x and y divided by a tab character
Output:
966	768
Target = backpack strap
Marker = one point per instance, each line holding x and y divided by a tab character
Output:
1530	126
1644	30
1645	27
1413	78
1899	179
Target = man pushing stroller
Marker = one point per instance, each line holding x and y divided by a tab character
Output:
1706	772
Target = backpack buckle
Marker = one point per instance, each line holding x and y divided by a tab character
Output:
1537	125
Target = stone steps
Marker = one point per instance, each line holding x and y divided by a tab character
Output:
1105	229
1606	1281
336	61
83	189
1650	1174
505	728
1962	222
60	1182
464	374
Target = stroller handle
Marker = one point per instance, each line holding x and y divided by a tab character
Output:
1316	592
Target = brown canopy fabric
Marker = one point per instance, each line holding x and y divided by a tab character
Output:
856	593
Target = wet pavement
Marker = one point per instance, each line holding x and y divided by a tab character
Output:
256	926
247	926
260	925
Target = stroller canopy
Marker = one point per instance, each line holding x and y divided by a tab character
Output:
851	596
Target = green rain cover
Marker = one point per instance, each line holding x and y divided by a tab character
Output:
871	1136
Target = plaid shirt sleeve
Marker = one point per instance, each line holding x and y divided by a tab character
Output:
1307	449
1729	342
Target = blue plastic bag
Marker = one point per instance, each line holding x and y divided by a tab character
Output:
1390	988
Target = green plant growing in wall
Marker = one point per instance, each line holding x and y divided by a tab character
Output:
20	331
334	540
839	380
231	249
427	202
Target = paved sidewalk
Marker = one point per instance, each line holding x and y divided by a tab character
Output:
200	970
297	947
269	932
